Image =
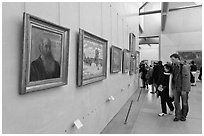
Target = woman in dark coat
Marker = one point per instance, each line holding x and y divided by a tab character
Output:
164	91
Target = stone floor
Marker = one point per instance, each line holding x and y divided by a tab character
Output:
143	117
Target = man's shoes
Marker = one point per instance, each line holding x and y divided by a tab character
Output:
182	119
162	114
152	92
176	119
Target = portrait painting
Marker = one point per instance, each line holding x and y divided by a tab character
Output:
92	58
194	55
126	61
45	55
116	57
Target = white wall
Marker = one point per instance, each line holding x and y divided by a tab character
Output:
152	26
183	32
152	22
54	110
149	53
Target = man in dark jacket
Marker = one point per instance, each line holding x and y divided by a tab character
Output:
181	87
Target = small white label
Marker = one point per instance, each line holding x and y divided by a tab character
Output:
78	124
112	98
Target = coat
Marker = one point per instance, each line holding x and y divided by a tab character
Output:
157	74
181	78
38	72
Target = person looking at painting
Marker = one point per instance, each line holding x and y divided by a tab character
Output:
45	66
143	72
181	87
165	91
157	73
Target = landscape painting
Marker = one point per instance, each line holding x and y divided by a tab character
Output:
92	58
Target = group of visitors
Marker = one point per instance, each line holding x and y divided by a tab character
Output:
172	82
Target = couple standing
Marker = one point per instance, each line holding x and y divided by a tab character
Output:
177	80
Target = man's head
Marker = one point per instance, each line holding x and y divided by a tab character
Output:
175	58
45	47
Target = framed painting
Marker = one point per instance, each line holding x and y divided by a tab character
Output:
132	51
135	63
126	61
137	60
92	58
45	55
194	55
132	43
115	59
132	63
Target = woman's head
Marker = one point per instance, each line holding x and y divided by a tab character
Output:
168	68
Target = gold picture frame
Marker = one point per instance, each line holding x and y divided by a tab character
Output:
115	59
45	55
91	58
126	61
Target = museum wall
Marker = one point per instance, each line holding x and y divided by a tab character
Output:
54	110
183	32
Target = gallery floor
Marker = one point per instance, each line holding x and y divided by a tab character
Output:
143	116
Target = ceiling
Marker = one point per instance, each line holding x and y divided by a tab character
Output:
164	9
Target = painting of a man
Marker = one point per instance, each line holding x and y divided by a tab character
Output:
45	66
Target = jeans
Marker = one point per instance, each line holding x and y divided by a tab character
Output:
181	112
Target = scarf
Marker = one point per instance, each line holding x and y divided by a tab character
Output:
170	83
170	87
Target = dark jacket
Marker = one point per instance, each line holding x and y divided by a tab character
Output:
149	76
165	80
193	68
157	74
165	84
143	70
181	78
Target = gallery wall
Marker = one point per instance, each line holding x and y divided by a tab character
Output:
54	110
183	32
